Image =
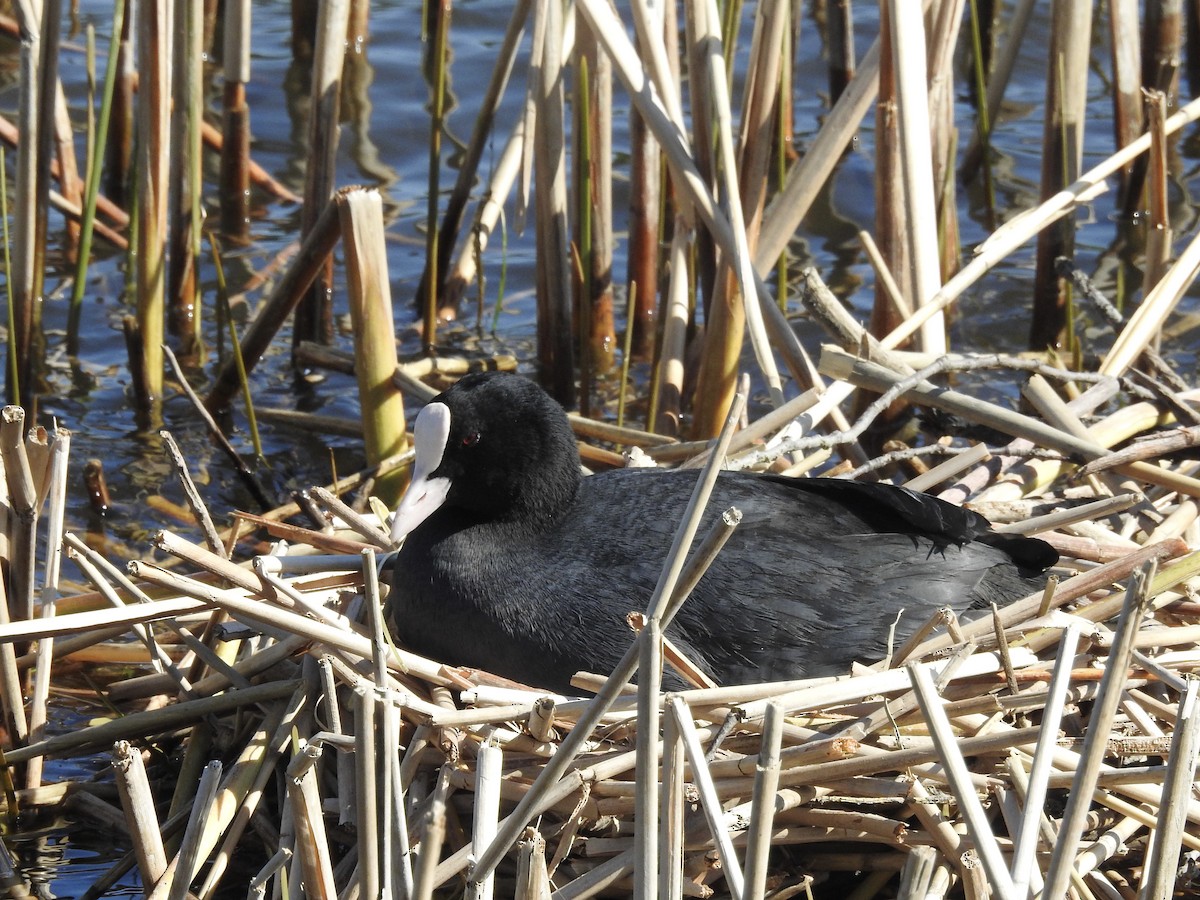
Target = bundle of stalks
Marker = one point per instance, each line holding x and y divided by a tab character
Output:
1047	747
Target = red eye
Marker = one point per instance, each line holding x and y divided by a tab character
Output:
470	439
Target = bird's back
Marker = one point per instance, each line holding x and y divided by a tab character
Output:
806	583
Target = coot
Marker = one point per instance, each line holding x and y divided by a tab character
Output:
514	563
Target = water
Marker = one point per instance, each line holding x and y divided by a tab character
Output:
384	144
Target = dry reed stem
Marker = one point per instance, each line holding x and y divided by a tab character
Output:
920	214
312	845
371	313
1017	230
841	747
766	782
138	803
57	490
1145	323
235	123
314	310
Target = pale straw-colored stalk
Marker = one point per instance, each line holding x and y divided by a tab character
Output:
766	781
1159	874
1138	595
731	867
259	761
481	886
370	296
137	801
367	793
1145	323
175	885
1026	839
56	507
960	781
912	93
312	843
1017	230
671	819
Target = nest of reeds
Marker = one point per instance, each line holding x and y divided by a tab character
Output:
1049	746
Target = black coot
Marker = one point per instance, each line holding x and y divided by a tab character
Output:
515	563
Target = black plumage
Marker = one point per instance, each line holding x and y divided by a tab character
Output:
516	564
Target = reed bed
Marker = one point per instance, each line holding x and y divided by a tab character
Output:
1044	747
259	711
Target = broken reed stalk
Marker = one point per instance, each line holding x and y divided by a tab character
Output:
748	175
668	402
137	802
312	864
314	312
642	252
1159	874
1139	333
487	215
187	862
24	483
367	791
487	815
766	783
944	38
235	123
957	772
56	493
1159	235
369	291
1034	788
839	38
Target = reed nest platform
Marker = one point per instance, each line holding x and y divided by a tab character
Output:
1040	749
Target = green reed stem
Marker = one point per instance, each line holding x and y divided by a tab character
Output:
730	26
225	312
96	144
985	115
